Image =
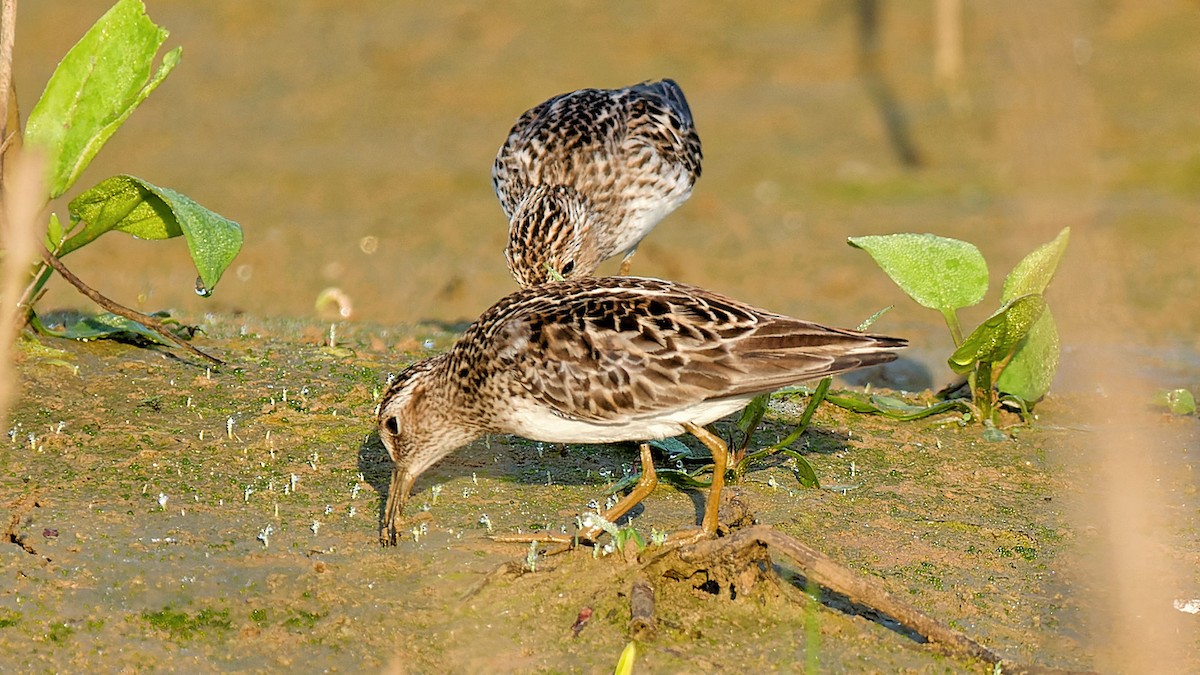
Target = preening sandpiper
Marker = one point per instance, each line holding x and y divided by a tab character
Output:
586	175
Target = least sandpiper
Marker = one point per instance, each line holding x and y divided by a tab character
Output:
600	360
585	176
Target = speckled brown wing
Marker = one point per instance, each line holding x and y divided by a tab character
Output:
556	143
619	348
589	138
660	129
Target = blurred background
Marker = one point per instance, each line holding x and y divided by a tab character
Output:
354	143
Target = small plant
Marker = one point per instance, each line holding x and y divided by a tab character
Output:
1176	401
626	661
1013	355
531	557
94	89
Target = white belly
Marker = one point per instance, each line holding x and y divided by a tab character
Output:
539	424
644	214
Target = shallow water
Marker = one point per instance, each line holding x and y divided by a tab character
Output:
354	147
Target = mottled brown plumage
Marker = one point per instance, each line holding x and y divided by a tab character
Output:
601	360
586	175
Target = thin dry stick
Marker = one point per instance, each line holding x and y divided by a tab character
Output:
8	33
834	576
121	310
16	219
684	561
22	205
642	625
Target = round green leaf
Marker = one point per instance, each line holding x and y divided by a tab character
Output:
938	272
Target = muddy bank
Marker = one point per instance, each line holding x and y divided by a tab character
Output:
164	516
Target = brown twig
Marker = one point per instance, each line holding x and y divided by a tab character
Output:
726	562
642	625
120	310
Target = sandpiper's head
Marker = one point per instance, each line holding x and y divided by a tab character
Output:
550	236
418	426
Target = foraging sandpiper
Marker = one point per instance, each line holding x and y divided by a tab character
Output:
586	175
600	360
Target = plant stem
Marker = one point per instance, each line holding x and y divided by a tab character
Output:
952	323
818	395
751	417
120	310
38	279
981	391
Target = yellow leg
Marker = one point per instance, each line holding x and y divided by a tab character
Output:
627	262
645	485
720	455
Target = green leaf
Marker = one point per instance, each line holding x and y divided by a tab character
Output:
628	657
905	412
1176	401
753	413
104	326
853	404
624	484
1031	371
146	211
54	233
873	318
97	85
996	338
894	405
938	272
1034	273
805	474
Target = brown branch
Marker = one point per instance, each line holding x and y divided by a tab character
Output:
741	558
120	310
642	625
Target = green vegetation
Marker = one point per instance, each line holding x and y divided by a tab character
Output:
9	618
182	626
627	659
94	89
59	632
1013	354
302	620
1176	401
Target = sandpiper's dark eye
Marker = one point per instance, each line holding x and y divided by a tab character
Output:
568	268
391	425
